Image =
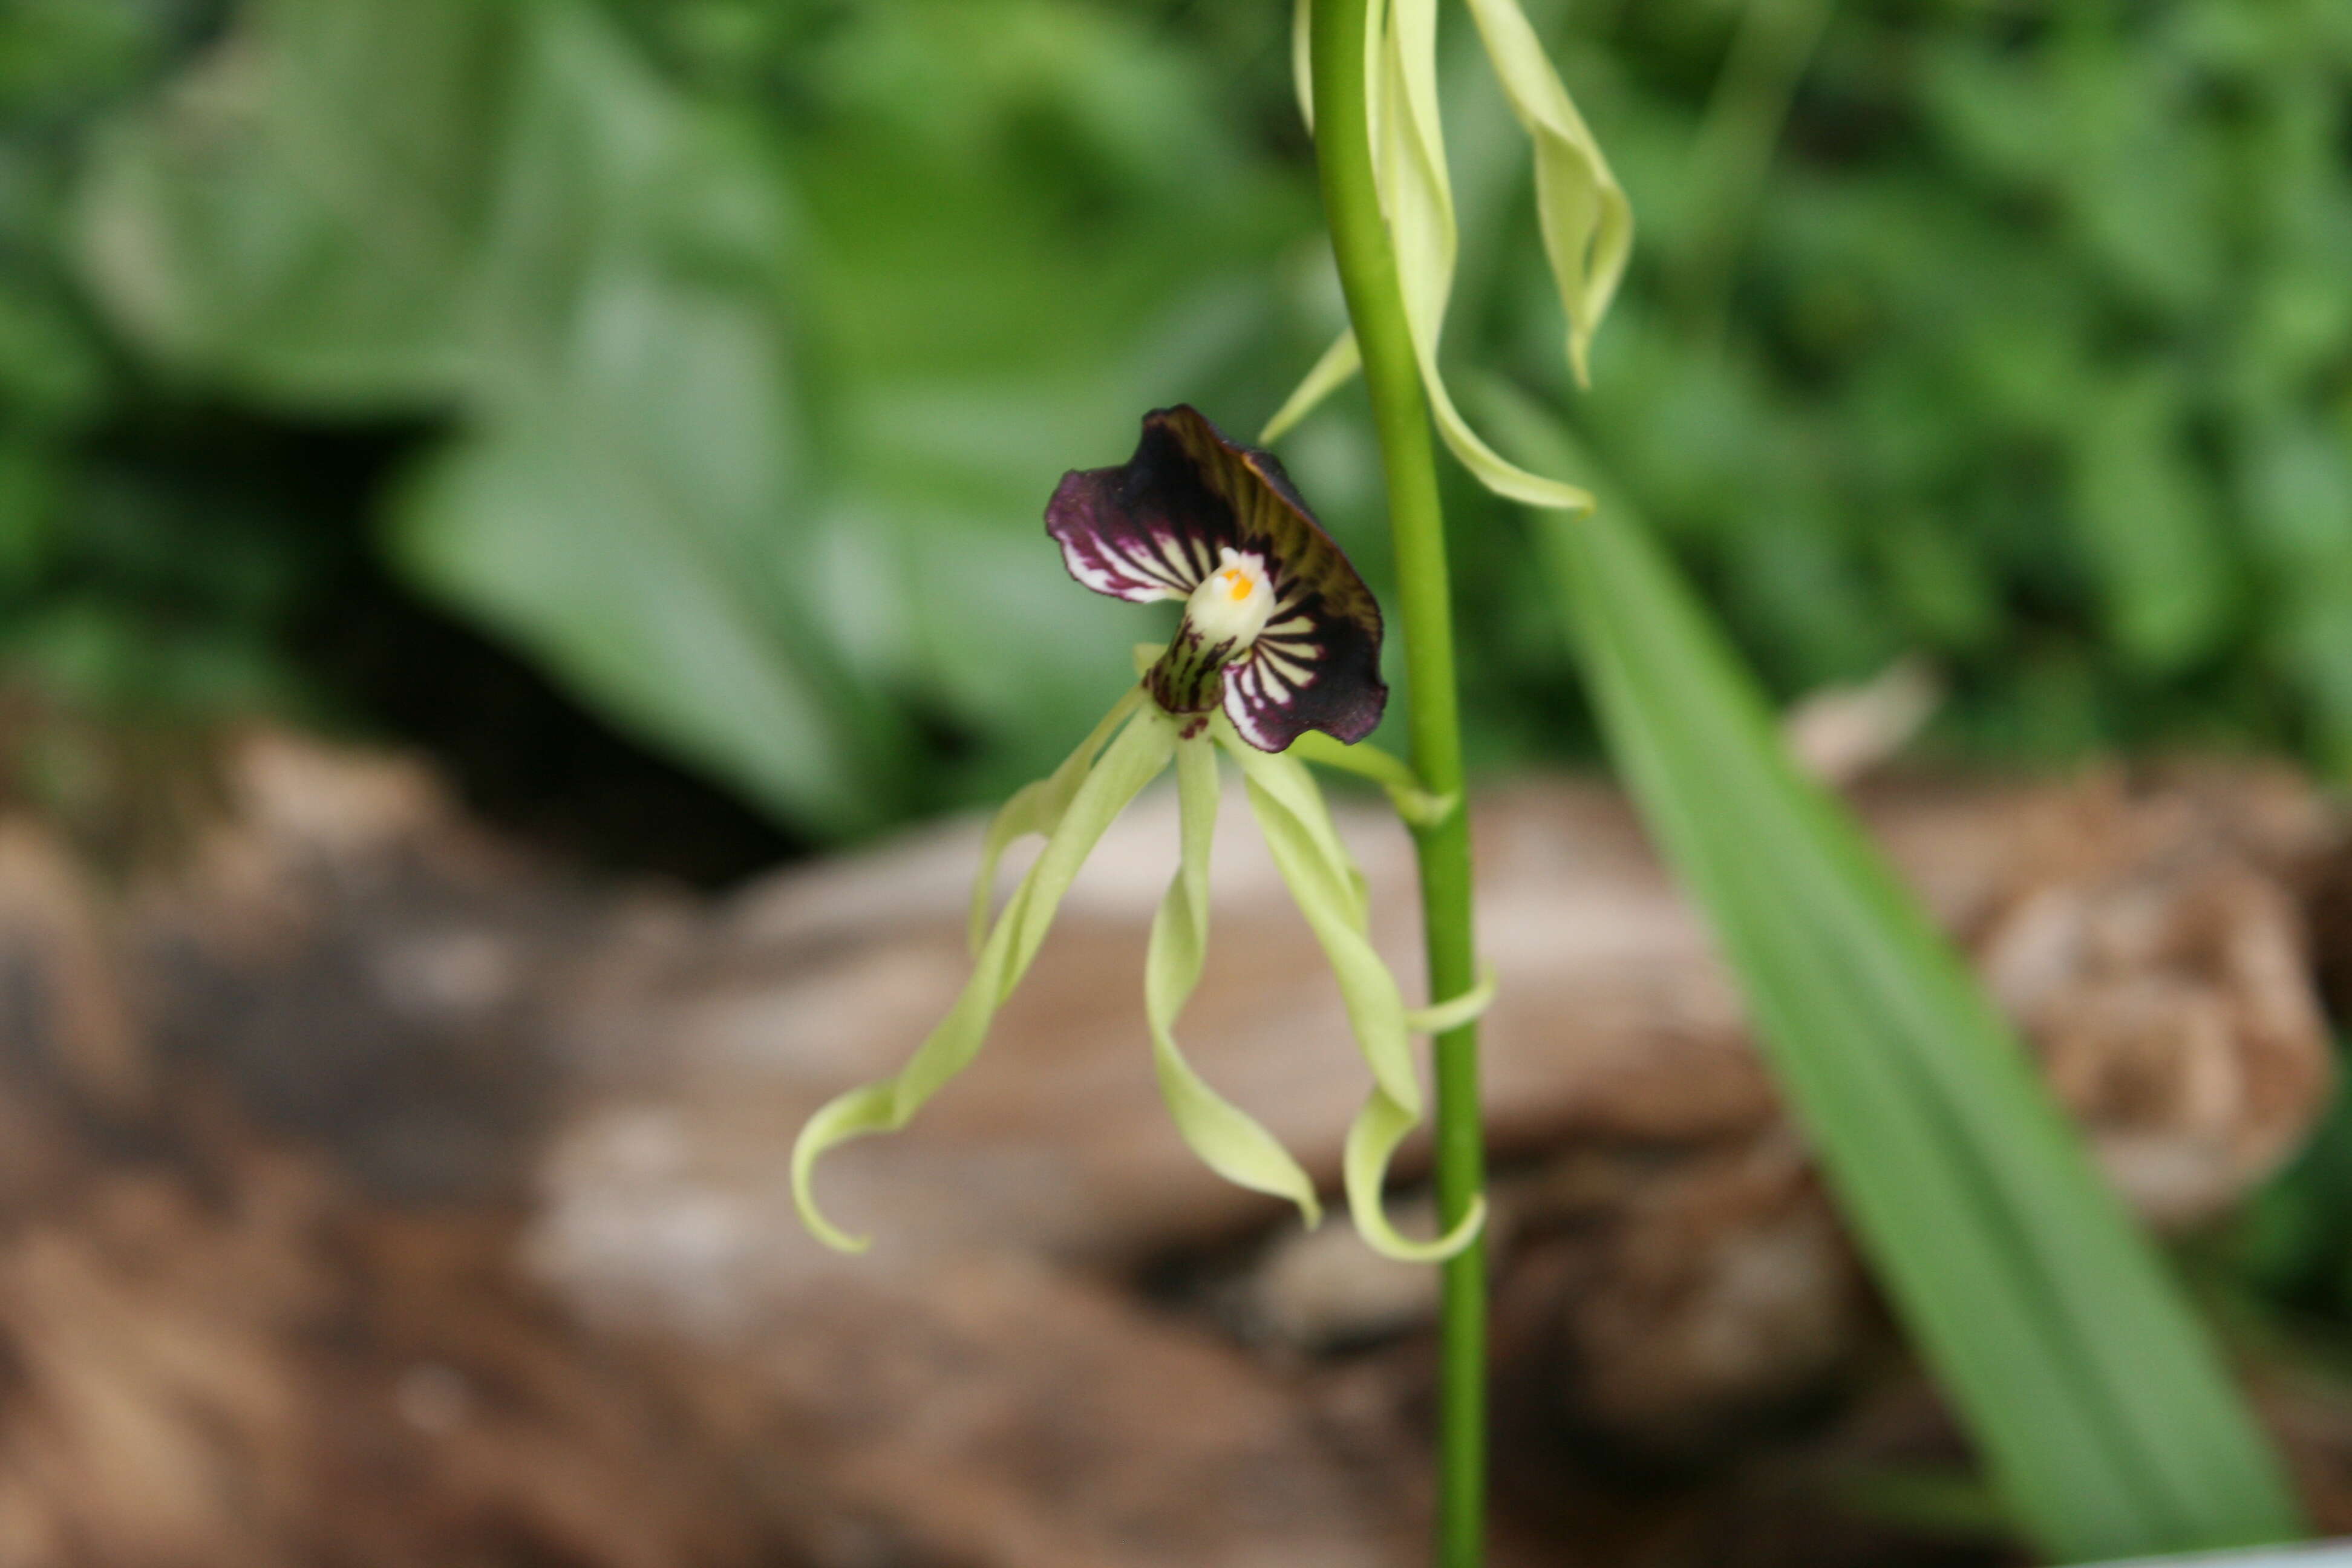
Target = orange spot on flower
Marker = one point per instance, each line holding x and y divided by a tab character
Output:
1237	583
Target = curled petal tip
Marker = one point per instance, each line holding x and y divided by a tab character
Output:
824	1229
1384	1238
805	1153
840	1241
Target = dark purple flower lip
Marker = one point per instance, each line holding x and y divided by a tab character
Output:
1278	624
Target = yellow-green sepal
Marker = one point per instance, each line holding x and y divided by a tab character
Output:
1442	1017
1329	890
1228	1141
1136	755
1586	221
1372	1140
1338	366
1038	808
1395	777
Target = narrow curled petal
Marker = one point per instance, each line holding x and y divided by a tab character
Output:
1588	224
1338	366
1225	1138
1323	879
1372	1140
1445	1017
1586	221
1036	807
1133	759
1154	528
1417	194
1396	778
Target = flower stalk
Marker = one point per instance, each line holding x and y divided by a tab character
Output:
1375	307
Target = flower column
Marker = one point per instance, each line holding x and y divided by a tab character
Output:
1368	272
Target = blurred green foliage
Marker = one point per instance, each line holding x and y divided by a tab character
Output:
754	339
728	350
82	532
2038	356
2095	1401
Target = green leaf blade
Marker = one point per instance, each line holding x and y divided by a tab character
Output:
559	544
2093	1391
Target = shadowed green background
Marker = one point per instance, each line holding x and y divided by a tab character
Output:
716	357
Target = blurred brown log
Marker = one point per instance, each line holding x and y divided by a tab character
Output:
1682	1270
487	1252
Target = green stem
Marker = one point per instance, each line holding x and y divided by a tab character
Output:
1425	617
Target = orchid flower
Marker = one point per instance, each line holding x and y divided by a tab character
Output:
1277	658
1587	224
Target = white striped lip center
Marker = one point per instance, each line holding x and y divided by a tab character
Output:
1233	602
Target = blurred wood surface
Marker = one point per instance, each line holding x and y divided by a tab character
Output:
375	1194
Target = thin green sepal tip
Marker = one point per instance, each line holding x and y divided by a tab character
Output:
1444	1017
863	1109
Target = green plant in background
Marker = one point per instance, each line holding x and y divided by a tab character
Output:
2010	337
496	212
83	530
2108	1421
729	430
2015	349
